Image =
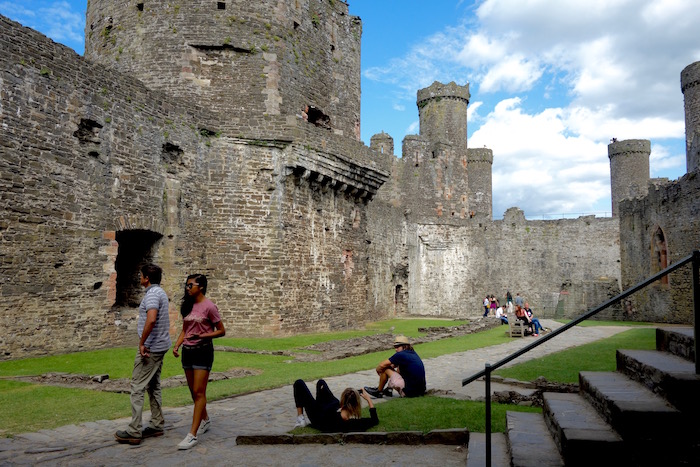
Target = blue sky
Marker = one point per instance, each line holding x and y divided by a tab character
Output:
551	83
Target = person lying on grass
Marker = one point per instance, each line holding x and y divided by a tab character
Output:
329	414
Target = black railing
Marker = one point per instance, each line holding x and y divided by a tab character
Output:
488	368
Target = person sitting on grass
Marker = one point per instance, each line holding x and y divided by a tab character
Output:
403	371
329	414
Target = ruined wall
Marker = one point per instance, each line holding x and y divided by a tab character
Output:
657	231
99	174
388	226
85	158
453	267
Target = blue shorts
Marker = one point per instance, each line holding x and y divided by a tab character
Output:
198	357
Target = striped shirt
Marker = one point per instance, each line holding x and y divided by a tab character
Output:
159	338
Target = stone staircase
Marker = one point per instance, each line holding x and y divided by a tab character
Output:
644	414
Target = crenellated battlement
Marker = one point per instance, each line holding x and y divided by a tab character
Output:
438	90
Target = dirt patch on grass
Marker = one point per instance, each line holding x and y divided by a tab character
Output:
123	385
337	349
325	351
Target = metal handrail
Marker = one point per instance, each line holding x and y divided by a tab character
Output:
488	368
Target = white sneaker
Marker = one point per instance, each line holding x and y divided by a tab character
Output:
189	442
301	422
203	427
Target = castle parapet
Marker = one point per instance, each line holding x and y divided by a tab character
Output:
439	90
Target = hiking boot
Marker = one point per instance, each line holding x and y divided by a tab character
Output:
123	437
189	442
374	392
151	433
204	427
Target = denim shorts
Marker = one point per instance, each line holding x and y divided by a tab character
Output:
198	357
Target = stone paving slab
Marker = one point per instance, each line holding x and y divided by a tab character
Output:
272	412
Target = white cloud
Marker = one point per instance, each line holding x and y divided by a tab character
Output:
413	128
512	74
538	166
473	112
56	19
578	72
13	10
63	24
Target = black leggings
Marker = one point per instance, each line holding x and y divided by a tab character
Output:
323	409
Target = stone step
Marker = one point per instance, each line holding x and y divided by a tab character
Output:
668	375
530	443
476	455
634	411
677	340
581	433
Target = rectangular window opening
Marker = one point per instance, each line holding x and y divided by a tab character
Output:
139	6
221	5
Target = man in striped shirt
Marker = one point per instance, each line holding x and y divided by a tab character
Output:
154	341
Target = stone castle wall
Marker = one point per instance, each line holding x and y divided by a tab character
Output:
657	231
99	173
240	158
452	268
83	156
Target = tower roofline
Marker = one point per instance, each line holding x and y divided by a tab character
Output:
690	76
629	146
438	89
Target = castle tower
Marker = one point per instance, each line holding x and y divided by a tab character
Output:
383	143
479	165
690	86
435	181
629	170
442	110
254	65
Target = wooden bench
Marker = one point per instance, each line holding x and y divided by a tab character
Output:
517	327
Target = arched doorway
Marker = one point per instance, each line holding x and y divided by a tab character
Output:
136	248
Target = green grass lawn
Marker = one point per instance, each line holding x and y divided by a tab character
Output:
592	322
563	367
434	413
30	407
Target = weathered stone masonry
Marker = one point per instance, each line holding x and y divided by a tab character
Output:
100	173
223	138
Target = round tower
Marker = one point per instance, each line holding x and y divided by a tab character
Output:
382	143
244	62
629	170
442	109
479	168
690	86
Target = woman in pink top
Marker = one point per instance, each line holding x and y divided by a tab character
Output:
201	323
